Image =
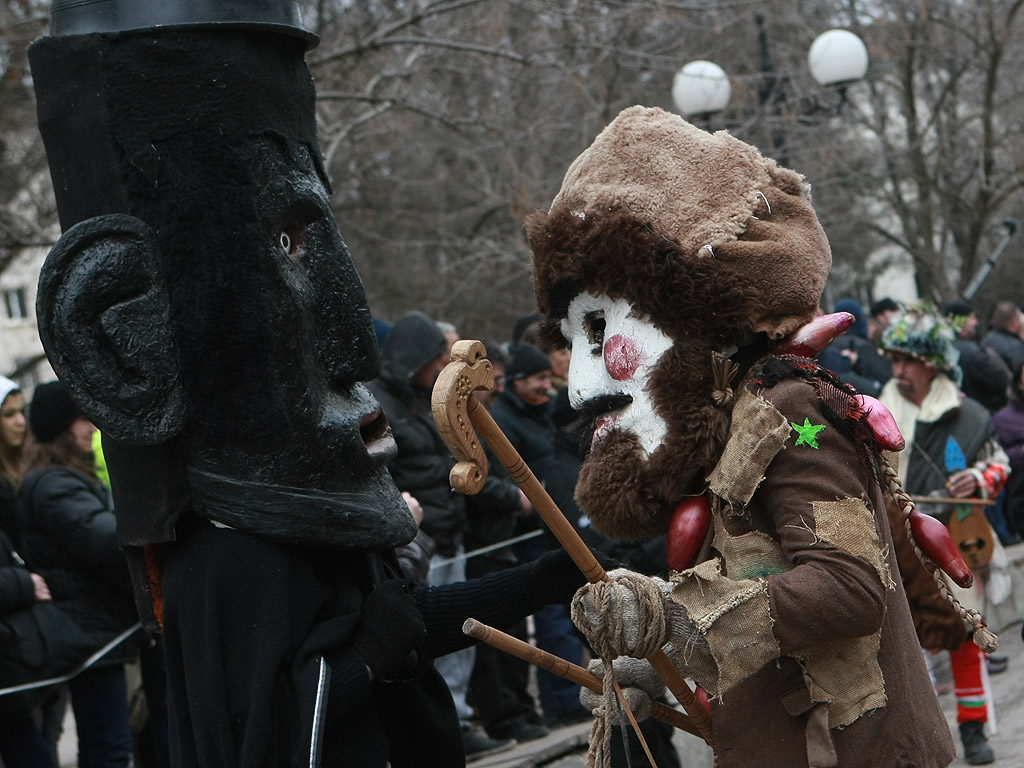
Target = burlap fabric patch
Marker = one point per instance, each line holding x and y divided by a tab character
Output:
734	617
850	525
751	555
845	673
757	433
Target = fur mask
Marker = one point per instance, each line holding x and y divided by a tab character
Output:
709	241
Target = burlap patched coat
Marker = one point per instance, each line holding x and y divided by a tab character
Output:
815	659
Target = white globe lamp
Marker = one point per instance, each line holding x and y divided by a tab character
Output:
701	88
837	56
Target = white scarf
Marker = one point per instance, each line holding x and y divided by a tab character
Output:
942	397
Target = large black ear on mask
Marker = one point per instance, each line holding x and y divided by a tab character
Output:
104	321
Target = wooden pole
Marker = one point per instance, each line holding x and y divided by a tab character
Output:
572	672
462	421
577	549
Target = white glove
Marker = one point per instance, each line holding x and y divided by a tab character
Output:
639	682
632	615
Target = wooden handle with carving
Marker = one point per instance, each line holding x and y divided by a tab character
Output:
453	404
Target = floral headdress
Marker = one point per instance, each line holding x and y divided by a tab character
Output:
921	333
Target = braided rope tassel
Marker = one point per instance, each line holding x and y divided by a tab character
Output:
984	638
611	632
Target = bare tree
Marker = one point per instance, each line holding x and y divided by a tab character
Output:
26	205
444	122
944	117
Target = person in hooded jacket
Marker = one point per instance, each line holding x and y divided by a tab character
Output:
854	357
413	355
986	377
69	535
21	740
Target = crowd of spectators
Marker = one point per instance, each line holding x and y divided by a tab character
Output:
58	536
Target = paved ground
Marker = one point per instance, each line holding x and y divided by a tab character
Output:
567	747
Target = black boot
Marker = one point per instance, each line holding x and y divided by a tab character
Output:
976	748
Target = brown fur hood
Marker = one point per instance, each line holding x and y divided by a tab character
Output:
657	200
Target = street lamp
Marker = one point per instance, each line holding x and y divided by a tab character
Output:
701	88
836	58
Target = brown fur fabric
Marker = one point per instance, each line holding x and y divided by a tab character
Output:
709	240
702	303
711	197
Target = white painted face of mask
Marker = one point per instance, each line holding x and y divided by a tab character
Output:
613	353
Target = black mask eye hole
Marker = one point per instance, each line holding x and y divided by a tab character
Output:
594	324
293	243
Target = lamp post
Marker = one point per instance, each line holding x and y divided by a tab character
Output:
836	58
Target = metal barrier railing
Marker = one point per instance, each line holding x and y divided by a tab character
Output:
488	548
78	670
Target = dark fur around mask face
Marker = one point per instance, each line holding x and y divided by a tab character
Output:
614	254
698	301
623	491
630	496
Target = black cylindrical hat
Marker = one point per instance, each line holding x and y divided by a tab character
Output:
74	17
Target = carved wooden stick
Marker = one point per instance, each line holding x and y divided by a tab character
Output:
459	418
573	672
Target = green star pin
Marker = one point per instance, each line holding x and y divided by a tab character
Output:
808	433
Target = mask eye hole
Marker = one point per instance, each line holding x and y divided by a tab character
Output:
594	325
293	244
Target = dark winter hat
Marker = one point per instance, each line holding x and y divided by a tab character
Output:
883	305
860	322
52	411
522	325
525	360
957	309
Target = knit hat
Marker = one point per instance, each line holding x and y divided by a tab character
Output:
522	325
525	360
957	309
860	322
920	333
6	387
708	198
52	411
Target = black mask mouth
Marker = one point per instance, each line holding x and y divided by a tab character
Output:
588	414
376	433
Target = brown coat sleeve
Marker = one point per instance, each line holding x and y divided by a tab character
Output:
839	580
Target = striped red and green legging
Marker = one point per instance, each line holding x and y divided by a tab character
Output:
970	688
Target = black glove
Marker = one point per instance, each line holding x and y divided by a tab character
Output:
554	578
391	632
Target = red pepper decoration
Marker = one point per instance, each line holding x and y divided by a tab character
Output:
934	540
687	531
702	697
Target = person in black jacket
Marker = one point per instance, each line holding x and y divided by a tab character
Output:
986	377
413	355
1005	335
21	741
22	744
499	686
69	534
523	411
